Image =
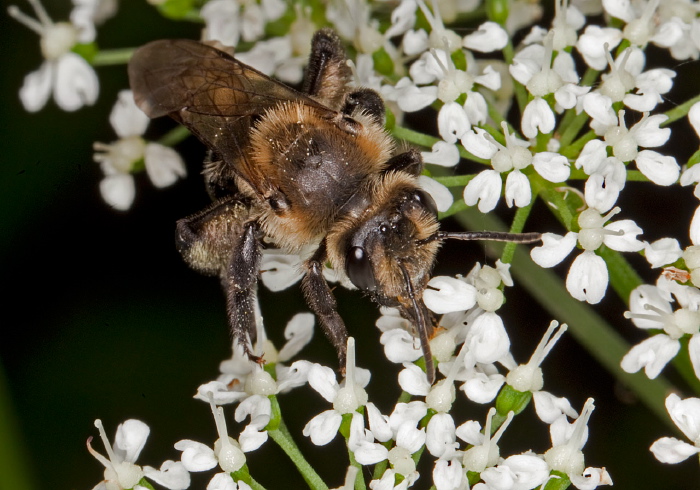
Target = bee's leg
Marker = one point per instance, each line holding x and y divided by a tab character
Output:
240	283
321	301
327	73
204	238
409	161
366	100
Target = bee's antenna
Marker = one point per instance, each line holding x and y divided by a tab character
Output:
422	326
496	236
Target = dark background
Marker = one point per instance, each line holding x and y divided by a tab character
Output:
104	320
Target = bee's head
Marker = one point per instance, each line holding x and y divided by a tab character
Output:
389	249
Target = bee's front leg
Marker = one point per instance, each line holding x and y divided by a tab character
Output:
321	301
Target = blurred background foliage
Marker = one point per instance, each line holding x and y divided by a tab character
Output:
104	320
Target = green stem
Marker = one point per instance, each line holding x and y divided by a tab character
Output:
244	475
517	226
623	278
414	137
15	466
574	149
571	129
255	485
110	57
680	111
284	440
454	180
359	479
174	136
598	337
456	207
426	141
555	200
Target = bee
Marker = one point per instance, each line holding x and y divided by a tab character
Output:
298	168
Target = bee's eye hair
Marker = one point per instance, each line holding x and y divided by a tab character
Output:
359	269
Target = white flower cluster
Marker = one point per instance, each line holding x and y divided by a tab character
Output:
399	438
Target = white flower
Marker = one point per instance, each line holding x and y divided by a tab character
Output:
440	194
227	453
408	440
537	117
666	24
595	42
346	399
227	21
566	455
650	308
660	169
447	294
528	377
485	188
608	175
449	475
662	252
484	451
567	20
242	378
275	57
518	472
588	276
686	415
172	474
163	165
86	14
121	472
67	75
443	154
408	96
626	74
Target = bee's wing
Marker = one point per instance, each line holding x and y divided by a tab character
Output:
210	92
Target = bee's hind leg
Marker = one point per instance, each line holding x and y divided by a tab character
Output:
240	284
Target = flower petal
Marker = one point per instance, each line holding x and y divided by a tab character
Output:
488	38
130	439
163	165
126	118
76	83
487	338
651	354
552	166
670	450
323	427
485	189
447	294
172	475
36	89
554	249
440	194
196	456
298	332
118	191
588	278
537	116
660	169
685	413
518	189
400	346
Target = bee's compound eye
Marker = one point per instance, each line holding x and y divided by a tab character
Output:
426	201
359	269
